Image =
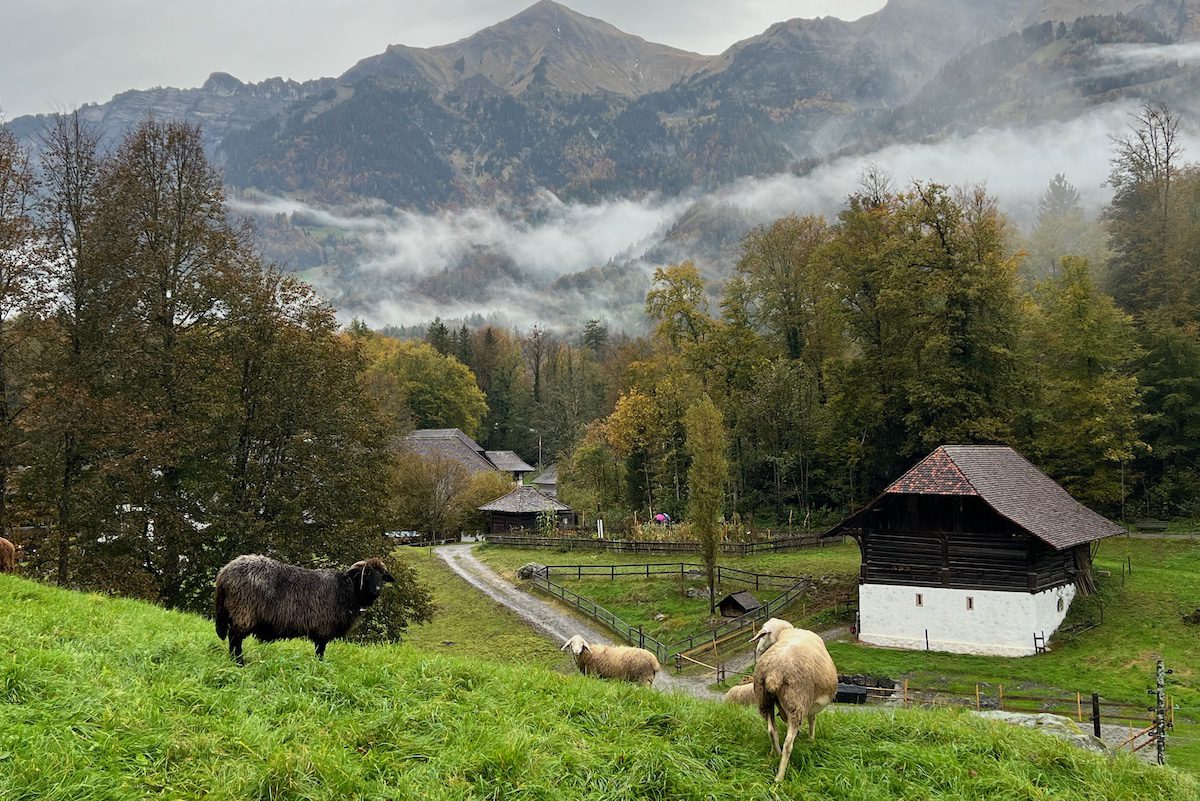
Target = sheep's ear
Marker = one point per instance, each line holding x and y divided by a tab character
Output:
587	647
388	577
565	645
762	633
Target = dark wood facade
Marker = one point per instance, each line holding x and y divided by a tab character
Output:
506	522
956	541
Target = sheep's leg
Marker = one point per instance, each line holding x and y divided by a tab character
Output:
812	726
793	727
235	646
772	733
321	649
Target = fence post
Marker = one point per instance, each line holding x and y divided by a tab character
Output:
1000	700
1079	707
1160	713
906	693
1096	714
977	704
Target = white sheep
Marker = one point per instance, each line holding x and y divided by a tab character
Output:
742	694
769	633
613	661
796	674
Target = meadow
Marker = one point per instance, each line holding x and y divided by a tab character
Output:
104	698
1143	621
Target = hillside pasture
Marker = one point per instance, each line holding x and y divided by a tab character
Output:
1143	620
103	698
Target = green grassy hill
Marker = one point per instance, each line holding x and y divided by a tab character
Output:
104	698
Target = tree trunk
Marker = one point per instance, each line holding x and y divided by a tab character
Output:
65	510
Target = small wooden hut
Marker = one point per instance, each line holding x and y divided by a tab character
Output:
521	509
973	550
736	604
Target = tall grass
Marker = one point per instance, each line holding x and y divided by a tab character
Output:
104	698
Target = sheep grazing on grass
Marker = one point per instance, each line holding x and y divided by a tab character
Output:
742	694
8	556
273	601
613	661
796	674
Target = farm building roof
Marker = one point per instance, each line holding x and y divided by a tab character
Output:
524	500
548	476
740	602
1006	481
450	444
508	461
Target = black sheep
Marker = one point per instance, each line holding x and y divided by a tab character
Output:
273	601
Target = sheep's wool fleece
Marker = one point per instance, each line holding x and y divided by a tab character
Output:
292	601
620	662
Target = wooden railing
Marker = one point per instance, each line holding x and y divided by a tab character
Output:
518	540
681	569
636	636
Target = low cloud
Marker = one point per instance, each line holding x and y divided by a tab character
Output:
1123	58
550	239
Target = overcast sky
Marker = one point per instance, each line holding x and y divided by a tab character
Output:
58	54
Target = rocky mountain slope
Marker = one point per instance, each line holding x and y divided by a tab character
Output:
552	99
547	46
552	107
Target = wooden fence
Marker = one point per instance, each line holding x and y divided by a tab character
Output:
589	608
636	636
681	569
1083	708
520	540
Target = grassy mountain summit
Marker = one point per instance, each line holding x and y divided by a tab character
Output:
103	698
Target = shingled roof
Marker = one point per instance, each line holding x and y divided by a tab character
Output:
1011	485
524	500
450	444
508	461
548	476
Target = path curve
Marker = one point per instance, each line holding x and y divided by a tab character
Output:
558	625
548	618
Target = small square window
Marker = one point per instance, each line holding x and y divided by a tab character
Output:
970	603
920	599
1060	604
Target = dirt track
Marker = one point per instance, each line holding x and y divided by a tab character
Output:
558	625
549	619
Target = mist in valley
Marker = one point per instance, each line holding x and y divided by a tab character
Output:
562	263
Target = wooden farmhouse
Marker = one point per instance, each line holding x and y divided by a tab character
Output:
520	510
547	481
974	550
509	462
452	445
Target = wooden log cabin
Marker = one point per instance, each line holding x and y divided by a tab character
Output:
520	509
974	550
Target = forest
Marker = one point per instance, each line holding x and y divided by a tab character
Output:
169	400
840	351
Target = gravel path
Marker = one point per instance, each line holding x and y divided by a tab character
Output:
542	615
559	625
